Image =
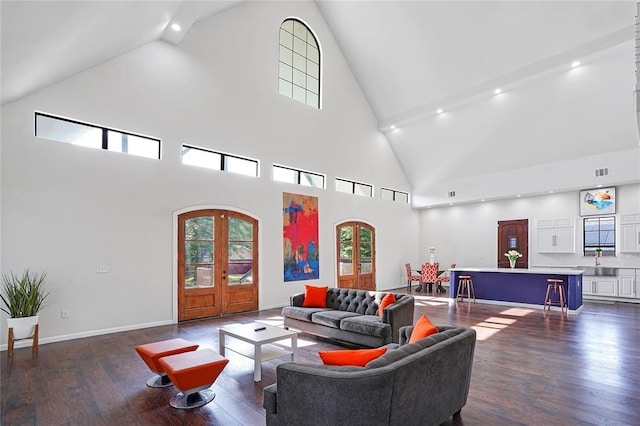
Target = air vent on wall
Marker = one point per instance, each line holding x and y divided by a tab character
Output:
452	193
602	172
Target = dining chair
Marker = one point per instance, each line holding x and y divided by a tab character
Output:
430	275
411	277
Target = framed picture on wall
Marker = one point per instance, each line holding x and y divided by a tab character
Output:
598	201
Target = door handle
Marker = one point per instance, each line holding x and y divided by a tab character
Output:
553	240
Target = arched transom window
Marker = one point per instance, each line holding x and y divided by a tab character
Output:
299	75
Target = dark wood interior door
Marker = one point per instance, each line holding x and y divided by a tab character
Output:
513	235
217	264
356	256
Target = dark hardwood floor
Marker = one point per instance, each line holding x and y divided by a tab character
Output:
530	368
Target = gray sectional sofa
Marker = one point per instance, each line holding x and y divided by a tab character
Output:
352	316
422	383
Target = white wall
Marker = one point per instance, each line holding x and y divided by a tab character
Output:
67	209
467	234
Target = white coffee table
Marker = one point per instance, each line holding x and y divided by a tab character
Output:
252	340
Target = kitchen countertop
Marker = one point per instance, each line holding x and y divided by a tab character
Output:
538	270
584	266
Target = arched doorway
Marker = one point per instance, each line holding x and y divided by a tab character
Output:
217	263
356	256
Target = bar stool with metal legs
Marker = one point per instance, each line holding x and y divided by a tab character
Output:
555	287
465	288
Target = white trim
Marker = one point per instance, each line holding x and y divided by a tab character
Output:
519	305
92	333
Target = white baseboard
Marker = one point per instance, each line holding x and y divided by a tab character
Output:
43	341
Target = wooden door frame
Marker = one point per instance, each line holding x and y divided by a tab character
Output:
174	252
336	253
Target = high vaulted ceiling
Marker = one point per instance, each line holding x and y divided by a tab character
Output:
410	59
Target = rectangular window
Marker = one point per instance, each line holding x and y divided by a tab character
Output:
201	157
351	187
600	233
92	136
299	177
393	195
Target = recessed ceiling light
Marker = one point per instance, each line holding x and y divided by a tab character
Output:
497	91
482	200
575	64
518	195
551	192
176	27
439	111
393	127
599	185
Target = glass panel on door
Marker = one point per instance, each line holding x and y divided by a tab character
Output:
366	266
199	252
240	252
346	250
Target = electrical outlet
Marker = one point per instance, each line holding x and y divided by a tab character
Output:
65	313
102	269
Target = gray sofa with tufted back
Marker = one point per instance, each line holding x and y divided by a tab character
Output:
422	383
352	316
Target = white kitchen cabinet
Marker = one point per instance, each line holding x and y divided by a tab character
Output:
556	236
627	283
630	233
599	286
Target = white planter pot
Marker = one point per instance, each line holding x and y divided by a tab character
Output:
23	328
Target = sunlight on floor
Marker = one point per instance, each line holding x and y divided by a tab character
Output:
277	321
516	312
430	301
491	326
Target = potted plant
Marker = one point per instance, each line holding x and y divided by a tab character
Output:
23	297
598	252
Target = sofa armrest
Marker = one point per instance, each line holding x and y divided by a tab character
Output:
399	314
270	398
296	299
405	334
313	394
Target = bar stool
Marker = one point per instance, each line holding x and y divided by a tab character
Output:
555	287
465	285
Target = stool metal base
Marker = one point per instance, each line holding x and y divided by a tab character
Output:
159	381
193	400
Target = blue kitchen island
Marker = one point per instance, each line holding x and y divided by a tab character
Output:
519	287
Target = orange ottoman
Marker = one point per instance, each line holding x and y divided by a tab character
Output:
152	352
193	373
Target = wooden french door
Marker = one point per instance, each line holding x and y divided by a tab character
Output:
513	235
217	263
356	260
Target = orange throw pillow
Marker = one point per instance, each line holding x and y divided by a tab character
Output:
356	357
315	297
389	299
423	328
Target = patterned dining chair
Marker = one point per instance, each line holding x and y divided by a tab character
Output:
411	277
430	275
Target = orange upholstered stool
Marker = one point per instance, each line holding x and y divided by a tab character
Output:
193	373
152	352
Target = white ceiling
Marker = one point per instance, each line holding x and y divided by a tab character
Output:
410	58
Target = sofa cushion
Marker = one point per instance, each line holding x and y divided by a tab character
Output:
350	300
387	300
315	297
424	328
300	313
366	324
357	357
331	318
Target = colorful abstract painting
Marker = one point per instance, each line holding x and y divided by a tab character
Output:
598	201
300	235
